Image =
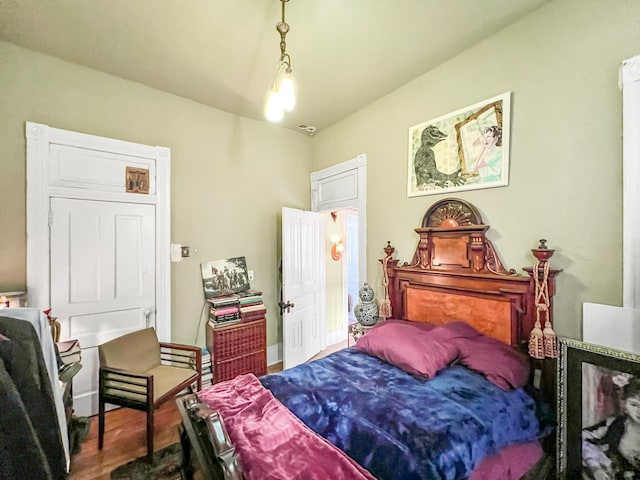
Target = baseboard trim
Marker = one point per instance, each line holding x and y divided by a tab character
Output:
274	354
336	336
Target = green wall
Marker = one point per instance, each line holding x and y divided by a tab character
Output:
230	176
561	64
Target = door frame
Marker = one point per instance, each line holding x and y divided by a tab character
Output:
39	192
630	85
347	214
343	186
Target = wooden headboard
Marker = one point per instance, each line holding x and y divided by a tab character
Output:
456	274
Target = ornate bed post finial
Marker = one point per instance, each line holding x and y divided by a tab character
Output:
388	250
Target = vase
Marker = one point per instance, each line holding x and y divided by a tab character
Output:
366	312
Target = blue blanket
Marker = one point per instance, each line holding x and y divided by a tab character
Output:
400	427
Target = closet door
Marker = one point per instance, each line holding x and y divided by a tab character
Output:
103	263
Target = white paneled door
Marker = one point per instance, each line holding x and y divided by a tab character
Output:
302	280
103	263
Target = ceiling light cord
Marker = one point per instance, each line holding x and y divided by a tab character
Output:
281	95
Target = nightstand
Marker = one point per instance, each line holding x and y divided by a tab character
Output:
237	348
356	330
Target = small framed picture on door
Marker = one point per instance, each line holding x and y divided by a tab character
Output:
137	180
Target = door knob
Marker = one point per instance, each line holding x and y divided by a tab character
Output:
285	306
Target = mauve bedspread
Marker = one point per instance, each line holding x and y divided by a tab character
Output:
401	427
271	443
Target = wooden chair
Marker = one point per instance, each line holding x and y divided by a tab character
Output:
137	371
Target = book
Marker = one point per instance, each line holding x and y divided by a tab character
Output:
249	293
249	316
250	300
226	317
223	310
222	301
253	308
216	323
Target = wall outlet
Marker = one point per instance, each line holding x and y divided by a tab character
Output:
250	273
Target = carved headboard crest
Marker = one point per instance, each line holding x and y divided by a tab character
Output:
452	238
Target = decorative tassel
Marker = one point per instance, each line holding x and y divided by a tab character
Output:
385	308
542	343
549	340
536	348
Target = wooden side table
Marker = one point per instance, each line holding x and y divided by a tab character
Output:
237	348
356	330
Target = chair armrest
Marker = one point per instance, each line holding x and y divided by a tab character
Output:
118	383
185	356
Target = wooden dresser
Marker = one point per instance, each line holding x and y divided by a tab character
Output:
237	349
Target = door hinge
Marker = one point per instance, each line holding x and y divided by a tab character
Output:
50	219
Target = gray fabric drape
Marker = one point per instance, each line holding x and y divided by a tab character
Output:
30	439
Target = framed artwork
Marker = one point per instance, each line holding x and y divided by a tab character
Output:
598	433
224	277
463	150
137	180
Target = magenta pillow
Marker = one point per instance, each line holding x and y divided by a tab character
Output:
408	346
458	329
421	325
502	364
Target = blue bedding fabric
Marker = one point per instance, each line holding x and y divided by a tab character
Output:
398	426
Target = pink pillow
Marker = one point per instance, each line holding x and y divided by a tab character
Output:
502	364
408	346
422	325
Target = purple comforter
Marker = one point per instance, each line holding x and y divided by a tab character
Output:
401	427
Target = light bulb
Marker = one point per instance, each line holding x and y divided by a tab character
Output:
273	109
287	93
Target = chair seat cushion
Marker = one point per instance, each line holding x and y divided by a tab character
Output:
166	377
165	380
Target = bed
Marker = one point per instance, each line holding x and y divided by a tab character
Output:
440	390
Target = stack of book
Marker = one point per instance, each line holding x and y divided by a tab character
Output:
207	372
224	310
251	306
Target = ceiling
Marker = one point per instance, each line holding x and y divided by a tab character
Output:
345	53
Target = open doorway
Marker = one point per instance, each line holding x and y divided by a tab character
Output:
342	189
341	266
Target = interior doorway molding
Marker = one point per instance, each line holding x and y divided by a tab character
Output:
41	188
630	84
343	186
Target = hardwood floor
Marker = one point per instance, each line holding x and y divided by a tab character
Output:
125	438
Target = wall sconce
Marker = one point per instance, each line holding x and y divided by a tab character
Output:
336	250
